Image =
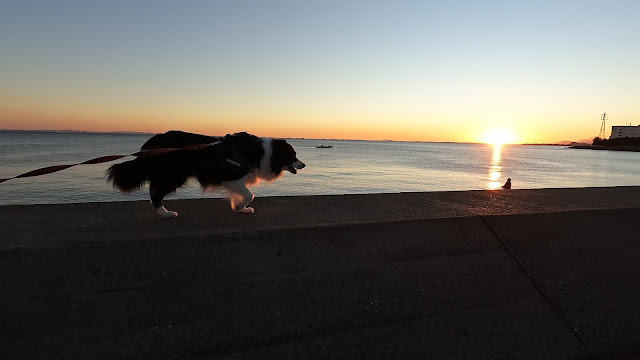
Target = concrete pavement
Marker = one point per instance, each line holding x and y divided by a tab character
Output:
544	273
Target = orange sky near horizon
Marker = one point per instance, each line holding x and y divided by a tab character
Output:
438	127
321	126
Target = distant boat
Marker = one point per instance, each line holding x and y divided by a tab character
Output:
324	146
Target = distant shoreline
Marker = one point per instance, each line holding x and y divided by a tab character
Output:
71	131
75	132
612	148
292	138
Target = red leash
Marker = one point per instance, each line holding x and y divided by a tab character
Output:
103	159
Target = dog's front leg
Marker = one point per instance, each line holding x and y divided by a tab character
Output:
240	196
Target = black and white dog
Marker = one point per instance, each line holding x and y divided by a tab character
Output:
233	162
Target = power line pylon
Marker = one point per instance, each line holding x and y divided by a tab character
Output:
603	128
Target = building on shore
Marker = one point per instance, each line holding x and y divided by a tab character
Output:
625	131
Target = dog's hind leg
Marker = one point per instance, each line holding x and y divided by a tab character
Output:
240	195
157	194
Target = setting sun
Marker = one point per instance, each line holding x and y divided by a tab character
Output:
498	137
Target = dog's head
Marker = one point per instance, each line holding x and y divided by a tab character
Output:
284	158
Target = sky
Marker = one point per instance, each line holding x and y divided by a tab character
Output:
534	71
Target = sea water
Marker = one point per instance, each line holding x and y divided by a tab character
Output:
349	167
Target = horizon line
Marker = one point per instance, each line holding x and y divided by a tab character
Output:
126	132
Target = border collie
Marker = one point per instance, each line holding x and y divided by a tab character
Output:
233	162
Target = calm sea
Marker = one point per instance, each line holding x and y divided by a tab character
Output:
350	167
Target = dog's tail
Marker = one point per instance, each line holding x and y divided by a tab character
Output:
128	176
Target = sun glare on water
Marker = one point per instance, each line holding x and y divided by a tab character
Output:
498	137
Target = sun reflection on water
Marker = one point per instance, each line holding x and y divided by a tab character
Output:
495	169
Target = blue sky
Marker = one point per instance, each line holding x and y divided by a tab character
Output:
405	70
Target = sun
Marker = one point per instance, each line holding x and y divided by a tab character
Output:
498	136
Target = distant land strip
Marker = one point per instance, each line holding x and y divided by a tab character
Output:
70	131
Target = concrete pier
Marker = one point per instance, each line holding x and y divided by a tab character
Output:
544	273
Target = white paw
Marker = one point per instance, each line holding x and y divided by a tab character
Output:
166	213
247	210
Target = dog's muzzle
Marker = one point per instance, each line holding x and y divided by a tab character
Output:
293	168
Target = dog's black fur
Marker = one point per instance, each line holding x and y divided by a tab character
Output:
233	162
